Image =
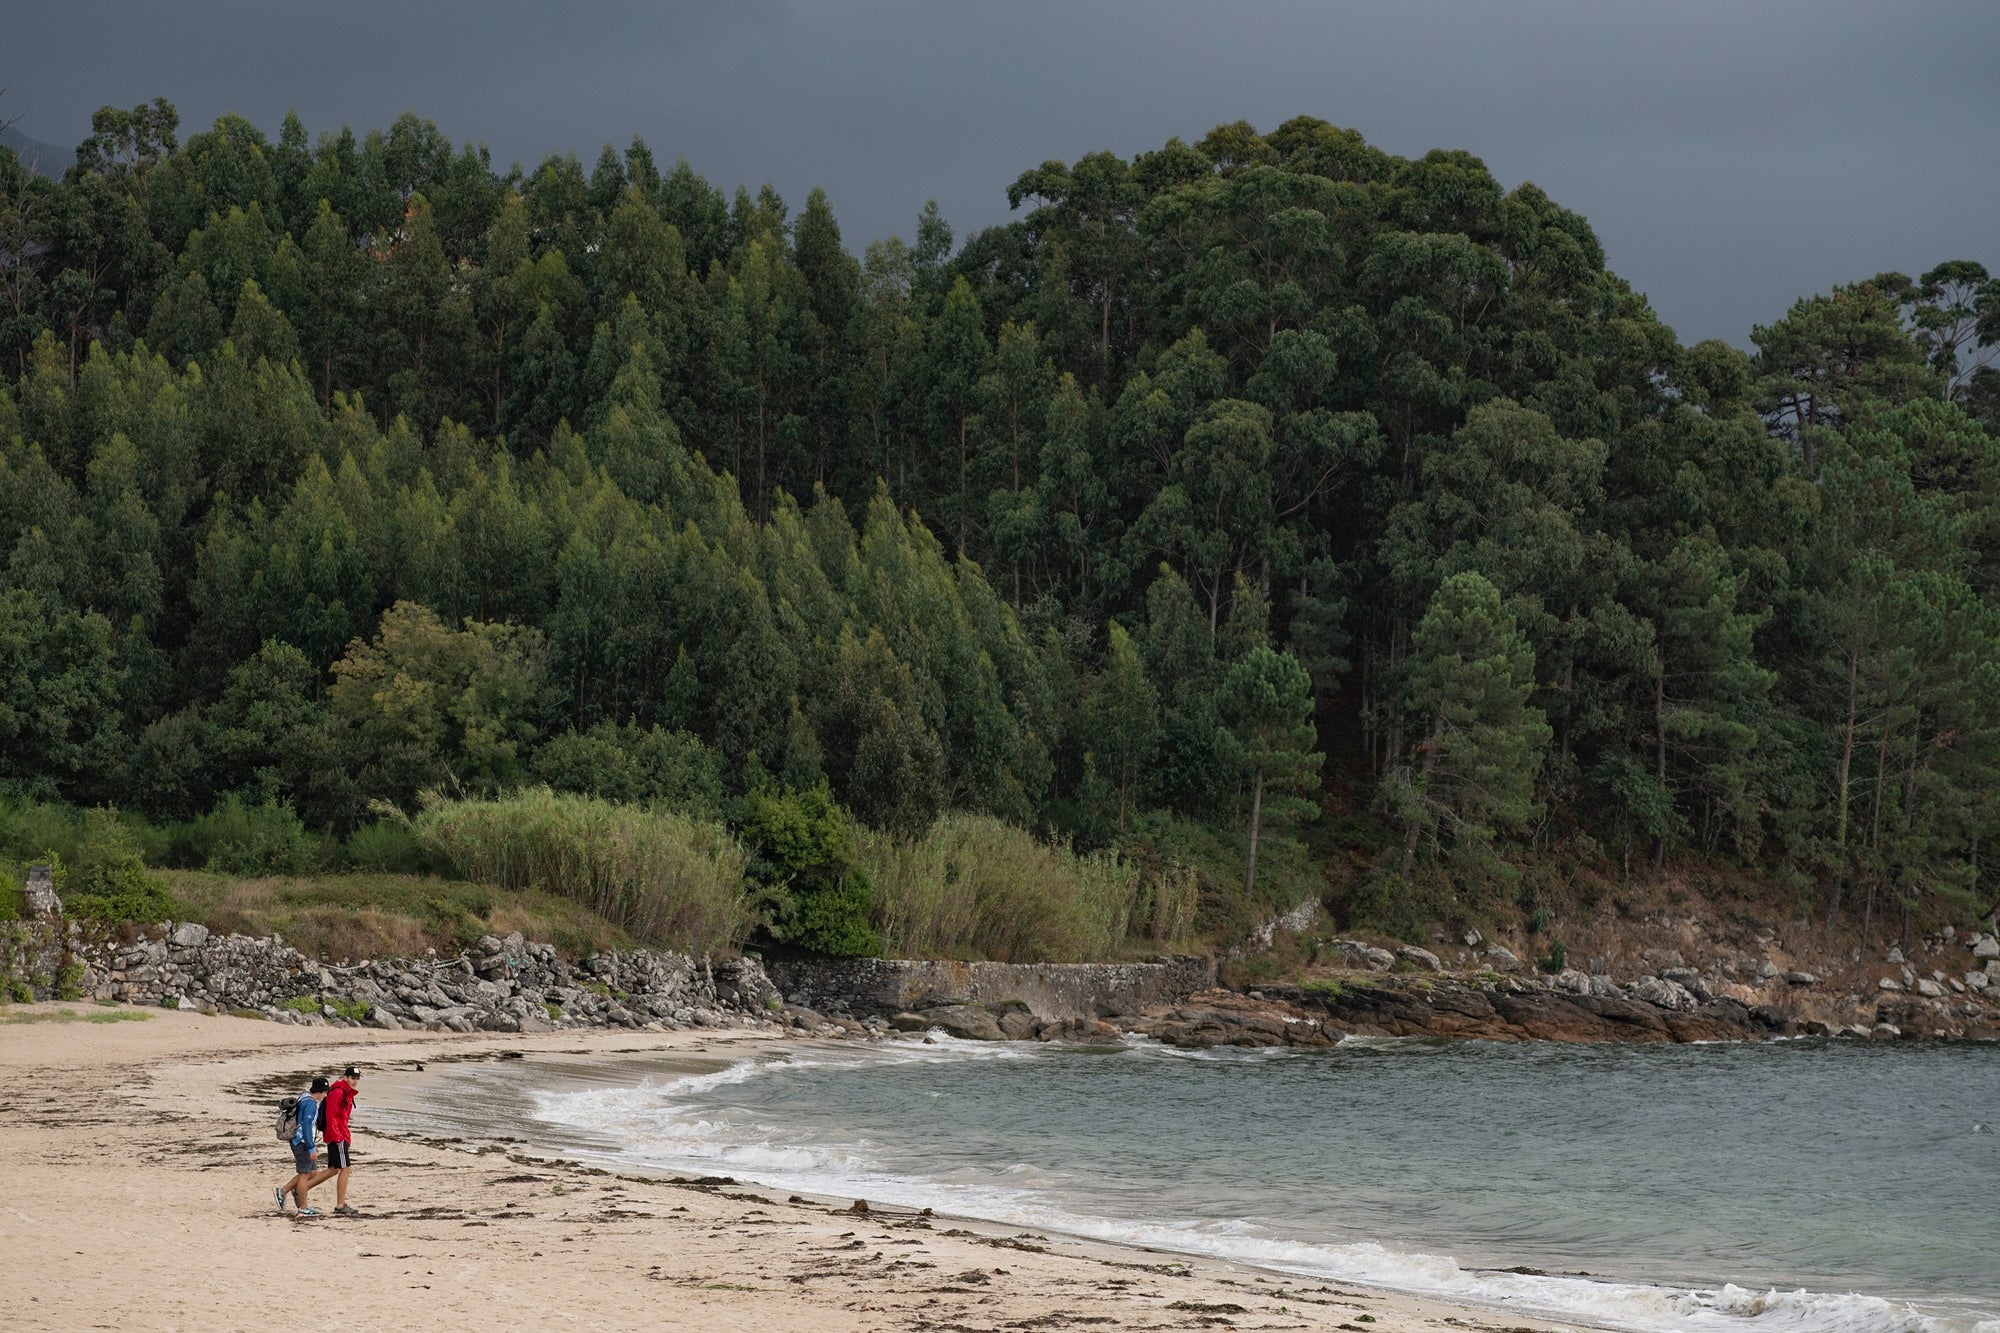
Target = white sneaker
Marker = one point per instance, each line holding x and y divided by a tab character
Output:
281	1199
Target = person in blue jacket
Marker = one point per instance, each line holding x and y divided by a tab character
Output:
302	1150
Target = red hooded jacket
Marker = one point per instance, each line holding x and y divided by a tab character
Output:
339	1106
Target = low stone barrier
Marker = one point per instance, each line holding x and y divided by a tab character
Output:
499	985
1051	992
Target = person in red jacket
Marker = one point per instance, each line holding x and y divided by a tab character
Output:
337	1132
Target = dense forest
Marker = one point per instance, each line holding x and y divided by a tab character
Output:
1325	521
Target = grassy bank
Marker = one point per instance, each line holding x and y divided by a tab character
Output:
348	917
585	873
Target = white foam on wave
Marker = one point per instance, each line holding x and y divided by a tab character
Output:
665	1125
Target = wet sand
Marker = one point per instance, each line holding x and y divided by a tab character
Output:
137	1162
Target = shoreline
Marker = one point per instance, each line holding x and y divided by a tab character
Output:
138	1171
1496	1284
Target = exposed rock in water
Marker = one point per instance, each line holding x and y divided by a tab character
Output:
964	1021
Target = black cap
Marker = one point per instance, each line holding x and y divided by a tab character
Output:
320	1084
350	1072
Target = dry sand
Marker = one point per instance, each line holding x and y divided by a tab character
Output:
137	1164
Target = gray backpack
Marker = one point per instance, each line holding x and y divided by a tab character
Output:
288	1119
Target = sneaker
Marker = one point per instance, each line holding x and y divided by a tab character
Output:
281	1199
309	1212
346	1210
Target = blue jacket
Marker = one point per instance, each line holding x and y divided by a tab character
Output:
308	1114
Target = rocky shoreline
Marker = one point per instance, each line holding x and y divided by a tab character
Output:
513	985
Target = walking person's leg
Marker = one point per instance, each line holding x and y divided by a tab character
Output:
339	1165
304	1177
340	1181
335	1167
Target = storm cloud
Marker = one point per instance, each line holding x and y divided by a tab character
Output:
1732	157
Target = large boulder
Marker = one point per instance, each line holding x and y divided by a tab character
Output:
1019	1025
1423	958
1664	994
1358	953
965	1021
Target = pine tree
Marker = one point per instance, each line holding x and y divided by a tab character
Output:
1267	735
1477	744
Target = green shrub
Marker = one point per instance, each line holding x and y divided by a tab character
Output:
974	886
301	1004
69	981
242	839
354	1011
387	846
107	880
1555	960
804	860
30	828
661	876
675	769
12	900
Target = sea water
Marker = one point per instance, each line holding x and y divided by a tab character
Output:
1835	1187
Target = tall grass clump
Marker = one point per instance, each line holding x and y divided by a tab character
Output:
661	877
976	887
243	839
386	847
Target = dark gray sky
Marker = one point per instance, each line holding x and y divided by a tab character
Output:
1731	156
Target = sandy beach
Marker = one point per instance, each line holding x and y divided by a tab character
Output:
137	1163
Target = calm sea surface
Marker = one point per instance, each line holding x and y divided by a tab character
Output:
1844	1188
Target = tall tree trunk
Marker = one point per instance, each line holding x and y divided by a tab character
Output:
1394	743
1846	765
1881	777
1256	819
1414	834
1660	756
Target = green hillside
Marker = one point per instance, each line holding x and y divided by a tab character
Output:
1266	517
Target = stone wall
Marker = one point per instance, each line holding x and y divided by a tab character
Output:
1052	992
499	985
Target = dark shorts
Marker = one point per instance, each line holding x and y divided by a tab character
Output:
302	1158
338	1154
